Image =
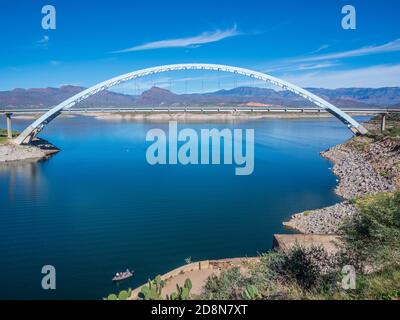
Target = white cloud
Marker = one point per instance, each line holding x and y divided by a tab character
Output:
321	48
318	70
369	77
301	67
324	61
203	38
44	40
387	47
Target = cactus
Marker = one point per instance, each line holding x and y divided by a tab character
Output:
123	295
159	283
147	293
173	296
182	293
153	289
250	293
185	293
188	284
111	297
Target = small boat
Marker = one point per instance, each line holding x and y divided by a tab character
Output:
119	276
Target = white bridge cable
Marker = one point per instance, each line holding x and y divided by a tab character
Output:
39	124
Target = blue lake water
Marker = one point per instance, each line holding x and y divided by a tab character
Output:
98	207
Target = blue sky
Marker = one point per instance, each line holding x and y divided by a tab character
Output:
300	41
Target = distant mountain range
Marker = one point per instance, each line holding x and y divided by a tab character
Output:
344	98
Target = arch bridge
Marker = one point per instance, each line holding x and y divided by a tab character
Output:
33	129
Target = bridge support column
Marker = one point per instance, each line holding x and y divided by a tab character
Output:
383	122
9	127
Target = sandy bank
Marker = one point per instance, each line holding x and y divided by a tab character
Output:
199	116
34	116
286	242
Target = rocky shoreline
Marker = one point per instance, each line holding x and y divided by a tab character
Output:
321	221
39	149
364	166
357	175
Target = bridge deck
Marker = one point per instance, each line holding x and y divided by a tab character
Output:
202	109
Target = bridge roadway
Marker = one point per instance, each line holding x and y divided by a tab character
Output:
364	111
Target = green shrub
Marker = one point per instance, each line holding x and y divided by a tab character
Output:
4	134
227	286
392	132
308	268
372	236
251	292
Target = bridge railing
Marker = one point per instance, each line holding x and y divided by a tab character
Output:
277	109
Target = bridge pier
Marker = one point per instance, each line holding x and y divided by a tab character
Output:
383	122
9	127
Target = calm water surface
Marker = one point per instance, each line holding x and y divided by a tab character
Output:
97	207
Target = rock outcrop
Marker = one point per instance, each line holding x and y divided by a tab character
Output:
355	168
322	221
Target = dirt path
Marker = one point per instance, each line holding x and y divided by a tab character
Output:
197	277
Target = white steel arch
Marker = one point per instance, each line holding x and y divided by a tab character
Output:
33	129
